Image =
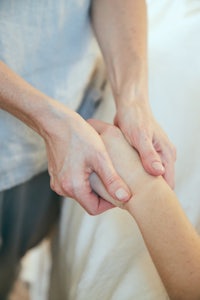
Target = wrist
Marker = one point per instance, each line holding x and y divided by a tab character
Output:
152	192
39	112
26	103
130	89
55	120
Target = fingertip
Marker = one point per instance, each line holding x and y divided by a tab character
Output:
158	167
150	159
154	168
113	183
122	194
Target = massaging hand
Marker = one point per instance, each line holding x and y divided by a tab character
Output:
126	161
75	150
157	153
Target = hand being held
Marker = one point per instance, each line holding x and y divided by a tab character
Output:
157	153
74	151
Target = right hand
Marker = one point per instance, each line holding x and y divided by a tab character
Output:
74	151
126	161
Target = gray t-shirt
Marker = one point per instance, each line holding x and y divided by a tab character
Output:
51	45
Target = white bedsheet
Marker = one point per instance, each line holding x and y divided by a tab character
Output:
104	257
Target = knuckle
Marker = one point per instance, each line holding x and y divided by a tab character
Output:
66	186
170	154
144	144
55	187
135	138
57	190
79	185
148	154
78	191
72	187
111	178
101	158
157	146
171	149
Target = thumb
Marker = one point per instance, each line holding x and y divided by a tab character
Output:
112	182
150	158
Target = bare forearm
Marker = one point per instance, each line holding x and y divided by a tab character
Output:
120	27
170	238
27	103
73	147
121	30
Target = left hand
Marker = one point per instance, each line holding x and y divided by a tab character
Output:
157	153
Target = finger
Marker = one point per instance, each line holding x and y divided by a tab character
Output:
98	187
104	168
102	205
113	183
95	205
98	125
77	186
115	121
54	185
91	202
151	160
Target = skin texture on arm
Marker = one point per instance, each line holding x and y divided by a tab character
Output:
171	240
74	149
121	30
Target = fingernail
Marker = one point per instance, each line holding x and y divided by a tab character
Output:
158	166
122	194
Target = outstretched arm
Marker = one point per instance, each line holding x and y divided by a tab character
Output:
170	238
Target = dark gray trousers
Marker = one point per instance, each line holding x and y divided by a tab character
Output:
27	214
